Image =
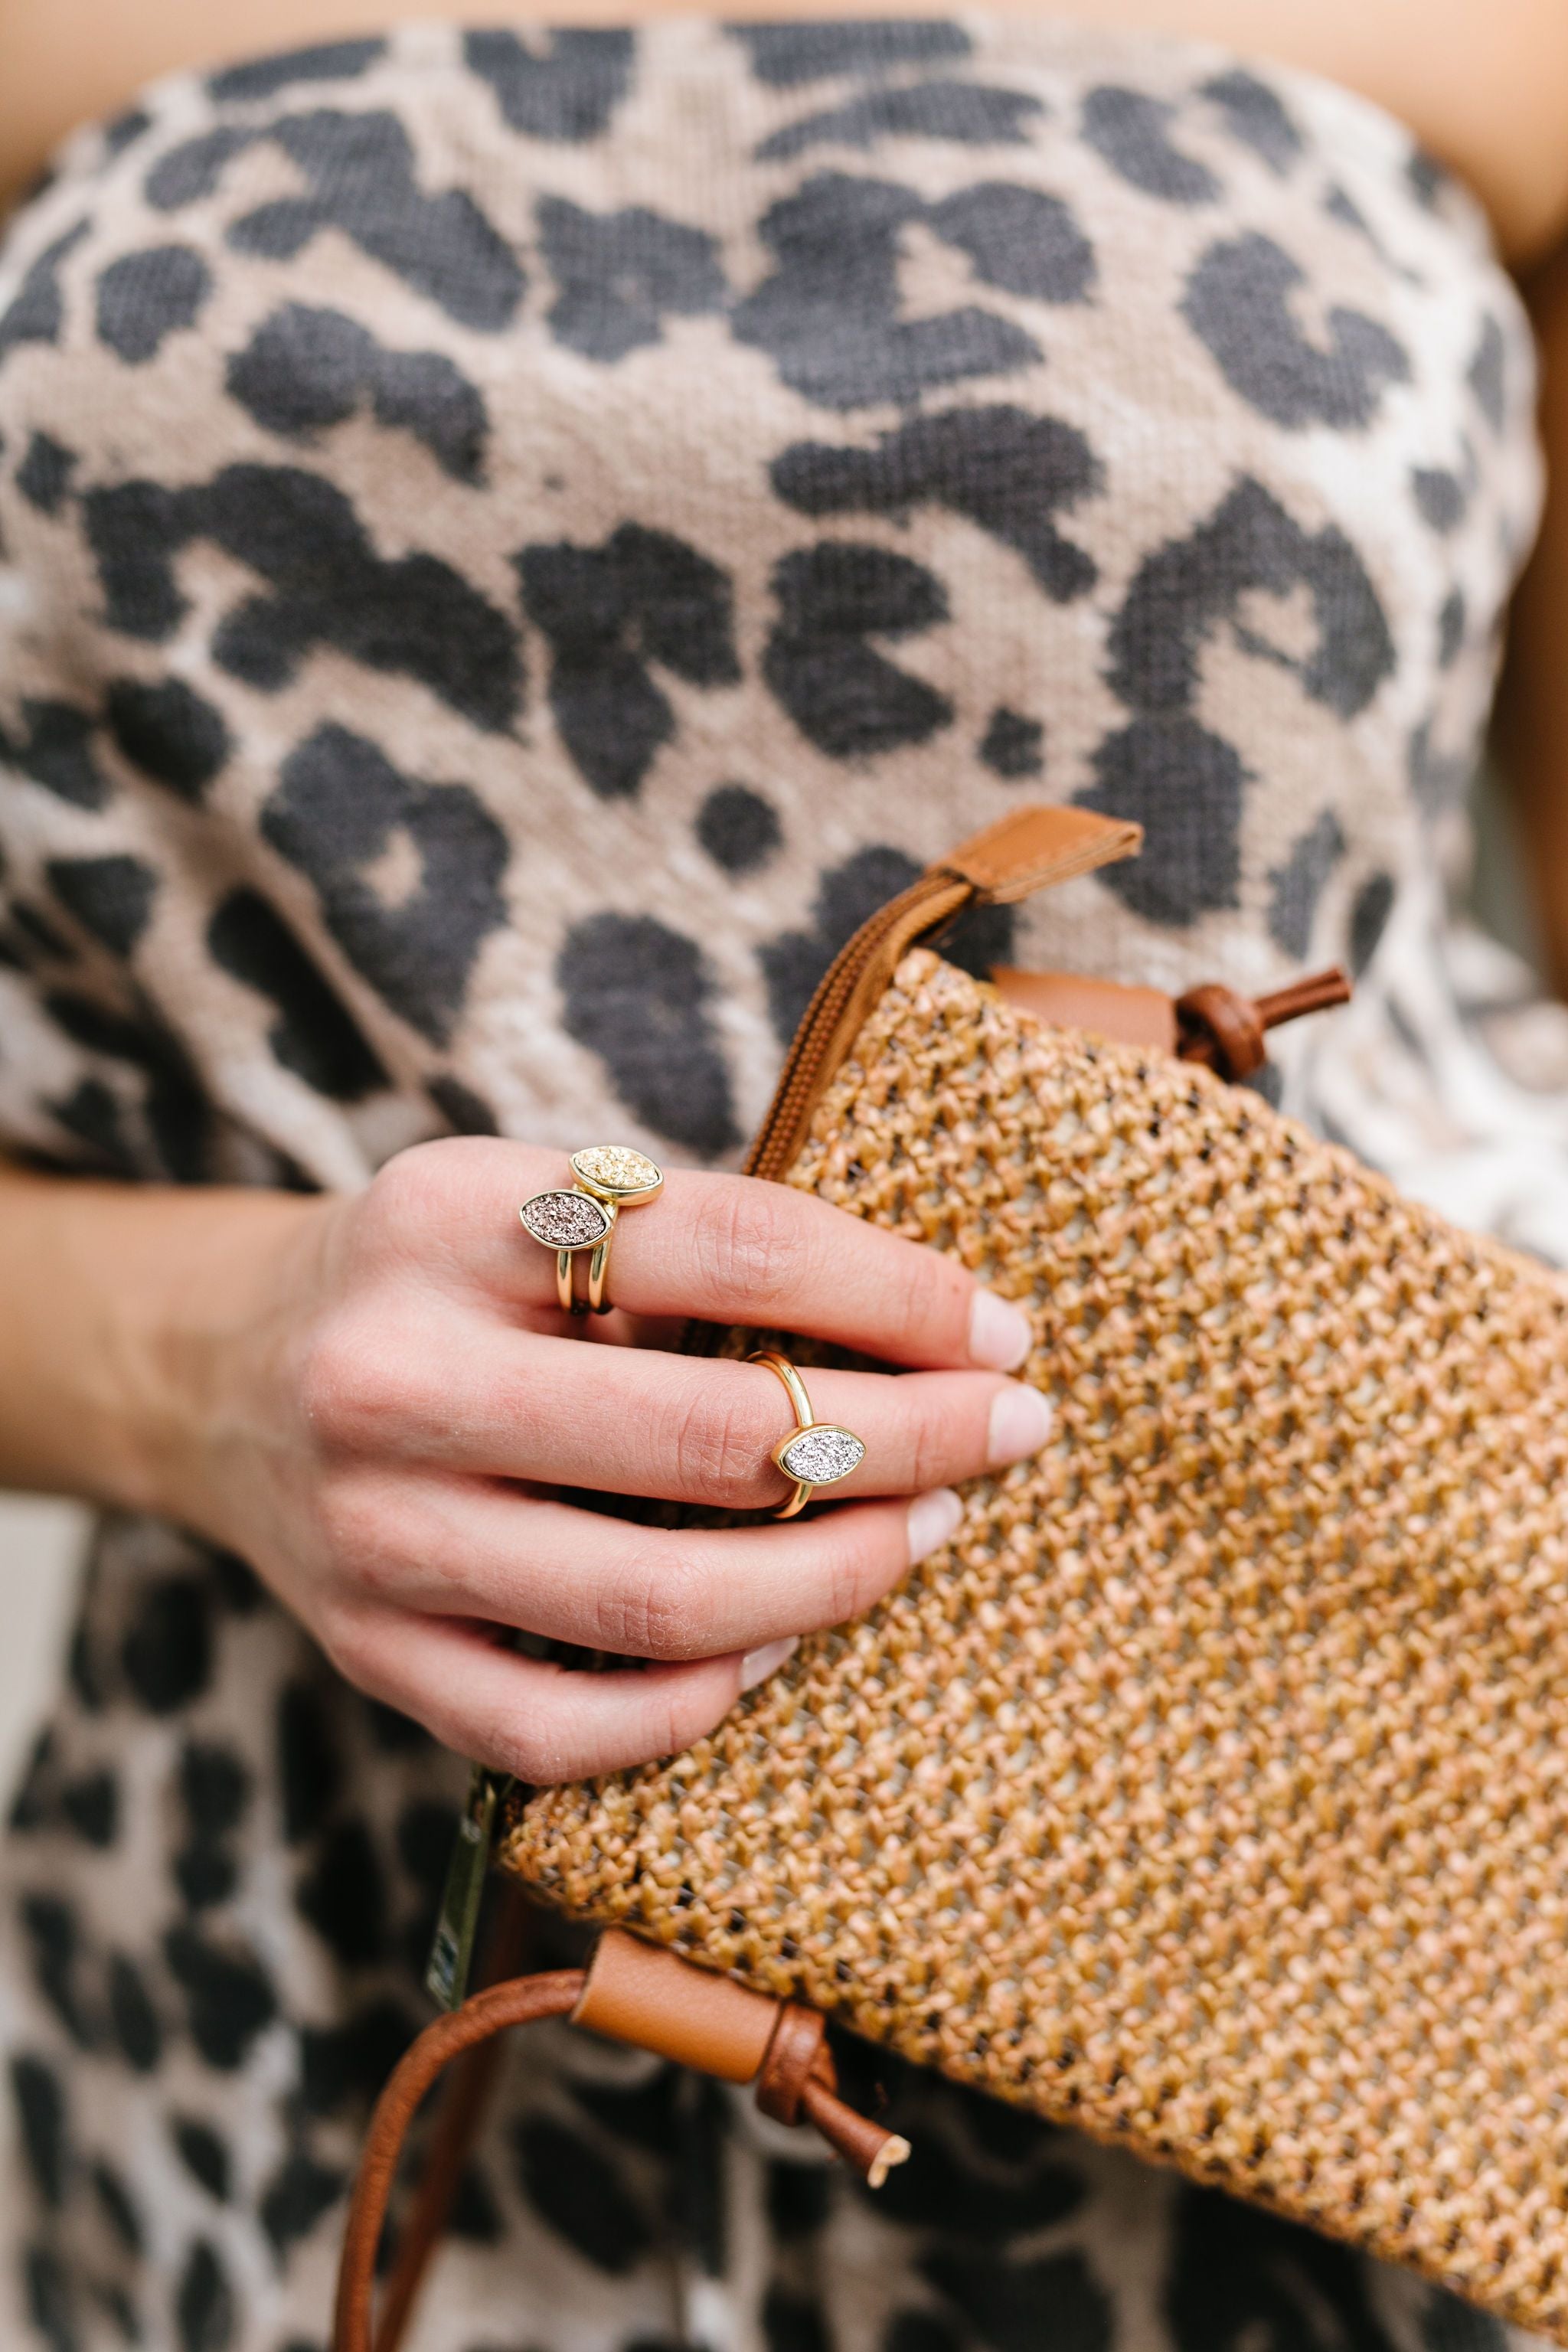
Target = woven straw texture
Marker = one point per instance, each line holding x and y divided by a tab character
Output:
1211	1791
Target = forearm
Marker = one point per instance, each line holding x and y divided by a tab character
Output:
118	1300
1532	706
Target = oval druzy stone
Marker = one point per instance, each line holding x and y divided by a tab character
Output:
822	1455
565	1220
616	1168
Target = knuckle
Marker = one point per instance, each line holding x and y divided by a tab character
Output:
756	1241
659	1607
355	1529
926	1303
342	1382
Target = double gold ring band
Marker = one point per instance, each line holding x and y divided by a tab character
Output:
816	1453
610	1177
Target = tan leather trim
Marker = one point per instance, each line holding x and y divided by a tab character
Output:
647	1995
1024	851
1131	1016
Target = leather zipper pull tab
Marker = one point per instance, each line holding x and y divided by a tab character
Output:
1030	848
452	1946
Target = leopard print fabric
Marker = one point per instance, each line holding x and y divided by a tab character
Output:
511	547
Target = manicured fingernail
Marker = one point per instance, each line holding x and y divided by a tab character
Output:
933	1519
1000	1334
1021	1421
758	1665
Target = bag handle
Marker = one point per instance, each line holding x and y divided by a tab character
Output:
631	1992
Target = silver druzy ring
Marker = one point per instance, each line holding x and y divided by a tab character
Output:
816	1453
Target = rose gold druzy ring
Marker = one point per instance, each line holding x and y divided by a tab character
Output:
610	1177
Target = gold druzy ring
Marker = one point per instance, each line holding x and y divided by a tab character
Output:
610	1177
816	1453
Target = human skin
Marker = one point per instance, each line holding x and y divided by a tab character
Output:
372	1399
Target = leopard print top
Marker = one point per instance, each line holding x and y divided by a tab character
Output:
509	547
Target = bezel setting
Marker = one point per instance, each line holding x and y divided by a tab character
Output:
820	1455
567	1221
614	1171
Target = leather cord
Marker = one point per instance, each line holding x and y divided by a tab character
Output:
522	2001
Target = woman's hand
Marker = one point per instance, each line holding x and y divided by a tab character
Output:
378	1402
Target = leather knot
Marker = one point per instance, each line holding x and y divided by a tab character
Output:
1228	1025
798	2050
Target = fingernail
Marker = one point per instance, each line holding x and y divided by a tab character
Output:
1000	1334
933	1519
1021	1420
758	1665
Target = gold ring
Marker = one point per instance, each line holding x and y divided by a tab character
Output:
610	1177
816	1453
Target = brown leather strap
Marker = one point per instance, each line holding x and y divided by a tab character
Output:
1031	847
519	2002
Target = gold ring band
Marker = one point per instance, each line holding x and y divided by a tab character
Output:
610	1177
816	1453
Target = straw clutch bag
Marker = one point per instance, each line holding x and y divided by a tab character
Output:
1210	1792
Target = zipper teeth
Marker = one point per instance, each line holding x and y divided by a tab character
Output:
797	1081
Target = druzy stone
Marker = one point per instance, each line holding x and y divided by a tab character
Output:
821	1455
617	1169
567	1221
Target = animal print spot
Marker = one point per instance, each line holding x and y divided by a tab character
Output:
474	2214
306	368
948	2193
35	312
91	1806
1238	303
50	2303
203	2155
295	2198
1440	780
1011	2306
325	584
343	1896
345	817
567	86
701	2205
54	1935
321	61
1255	116
145	298
309	1766
41	2121
228	1997
1184	785
109	896
797	2199
314	1035
828	315
172	1106
580	2196
965	113
205	1876
44	474
638	994
1452	624
1236	2273
214	1787
844	696
643	2113
465	1112
167	1650
124	129
55	751
170	732
1298	884
619	275
1487	374
1007	471
189	173
33	1803
738	828
394	1733
206	2314
612	613
359	171
1013	745
347	2065
918	2331
116	2204
1183	591
1449	2324
132	2017
1018	239
1440	497
785	56
793	2322
1131	132
1368	920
